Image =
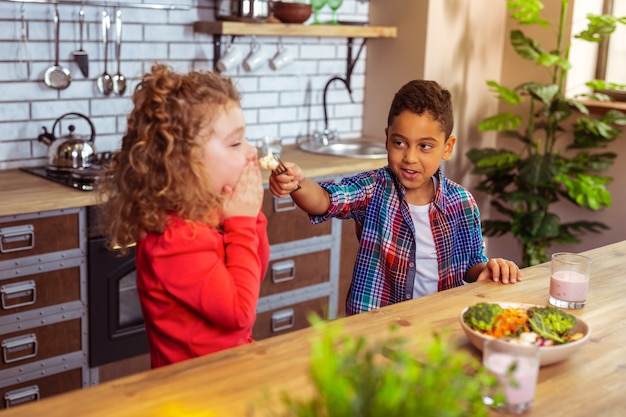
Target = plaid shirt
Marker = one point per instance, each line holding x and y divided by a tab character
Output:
385	267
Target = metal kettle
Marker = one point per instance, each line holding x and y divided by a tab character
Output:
72	151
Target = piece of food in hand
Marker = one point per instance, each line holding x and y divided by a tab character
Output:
268	161
482	316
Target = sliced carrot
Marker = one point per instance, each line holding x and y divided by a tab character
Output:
510	322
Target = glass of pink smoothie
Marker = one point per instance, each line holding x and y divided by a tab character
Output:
569	280
517	369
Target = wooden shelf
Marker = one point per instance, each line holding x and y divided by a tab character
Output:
279	29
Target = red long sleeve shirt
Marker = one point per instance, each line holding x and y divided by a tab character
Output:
199	287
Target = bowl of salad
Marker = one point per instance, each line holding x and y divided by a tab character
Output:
558	333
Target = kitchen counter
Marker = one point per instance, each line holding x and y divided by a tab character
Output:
23	192
230	383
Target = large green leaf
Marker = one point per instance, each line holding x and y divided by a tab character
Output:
537	225
615	117
526	47
585	162
604	85
527	12
599	27
545	93
505	94
588	190
538	170
579	106
500	122
494	228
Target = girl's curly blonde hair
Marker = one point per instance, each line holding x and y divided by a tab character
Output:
159	169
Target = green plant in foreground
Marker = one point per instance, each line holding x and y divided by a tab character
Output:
554	164
355	378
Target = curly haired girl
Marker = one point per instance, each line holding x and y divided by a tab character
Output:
186	188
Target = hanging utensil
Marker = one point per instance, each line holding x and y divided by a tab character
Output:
56	76
23	51
105	82
80	56
119	81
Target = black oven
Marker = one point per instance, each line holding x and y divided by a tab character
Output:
116	328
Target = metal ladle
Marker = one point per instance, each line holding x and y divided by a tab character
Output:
56	76
119	81
105	82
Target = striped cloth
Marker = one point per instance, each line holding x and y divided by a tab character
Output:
385	267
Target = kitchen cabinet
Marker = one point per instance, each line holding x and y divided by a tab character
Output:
43	316
303	273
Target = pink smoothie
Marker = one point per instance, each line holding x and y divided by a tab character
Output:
568	286
525	374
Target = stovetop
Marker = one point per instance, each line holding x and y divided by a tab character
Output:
83	184
81	179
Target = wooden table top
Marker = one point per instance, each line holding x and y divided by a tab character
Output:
592	382
22	192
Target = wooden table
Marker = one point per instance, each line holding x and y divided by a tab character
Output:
590	383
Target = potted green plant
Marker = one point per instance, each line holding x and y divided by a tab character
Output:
553	147
354	377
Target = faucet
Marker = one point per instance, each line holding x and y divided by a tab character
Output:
327	135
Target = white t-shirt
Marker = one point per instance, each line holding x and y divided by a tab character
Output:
427	270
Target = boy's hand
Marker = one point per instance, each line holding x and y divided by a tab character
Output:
247	196
501	270
282	185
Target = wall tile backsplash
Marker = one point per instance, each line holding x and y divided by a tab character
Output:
286	103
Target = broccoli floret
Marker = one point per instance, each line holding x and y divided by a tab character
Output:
482	316
550	322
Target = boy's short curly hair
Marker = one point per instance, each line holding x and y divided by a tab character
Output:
424	97
159	169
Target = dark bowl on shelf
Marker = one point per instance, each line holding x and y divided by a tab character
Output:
291	12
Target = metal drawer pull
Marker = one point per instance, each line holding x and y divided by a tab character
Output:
283	271
283	320
283	204
21	396
17	344
17	234
18	291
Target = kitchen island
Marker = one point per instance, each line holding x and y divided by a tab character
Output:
592	382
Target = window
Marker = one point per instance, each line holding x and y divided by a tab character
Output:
611	62
607	60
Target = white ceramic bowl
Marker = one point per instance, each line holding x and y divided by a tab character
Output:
549	354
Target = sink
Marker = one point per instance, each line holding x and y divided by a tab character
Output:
350	149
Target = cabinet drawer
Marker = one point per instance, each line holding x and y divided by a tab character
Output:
39	290
287	222
39	343
289	318
29	391
295	272
39	235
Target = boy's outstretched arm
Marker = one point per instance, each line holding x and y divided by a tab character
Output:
310	197
497	270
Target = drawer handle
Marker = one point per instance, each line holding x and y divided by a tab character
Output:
11	347
18	290
284	204
21	396
283	320
23	234
283	271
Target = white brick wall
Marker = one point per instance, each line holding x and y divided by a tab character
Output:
285	103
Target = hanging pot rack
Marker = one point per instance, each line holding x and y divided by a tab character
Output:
106	4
